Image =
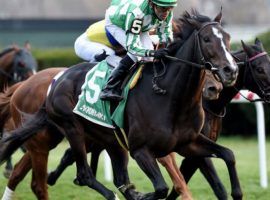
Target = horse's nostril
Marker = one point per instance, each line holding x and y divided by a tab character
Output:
212	89
227	70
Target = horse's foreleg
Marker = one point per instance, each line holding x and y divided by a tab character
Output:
66	161
204	147
149	165
119	159
188	168
208	170
177	178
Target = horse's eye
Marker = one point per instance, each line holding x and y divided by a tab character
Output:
260	70
206	39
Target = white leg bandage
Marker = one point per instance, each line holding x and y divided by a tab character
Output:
8	194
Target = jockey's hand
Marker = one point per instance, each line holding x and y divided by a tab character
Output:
160	53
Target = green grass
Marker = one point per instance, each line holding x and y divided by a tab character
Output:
246	152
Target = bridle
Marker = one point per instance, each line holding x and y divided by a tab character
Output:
203	64
260	85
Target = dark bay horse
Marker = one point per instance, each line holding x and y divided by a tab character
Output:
254	75
178	129
16	64
38	146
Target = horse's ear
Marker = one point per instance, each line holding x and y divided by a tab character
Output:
219	16
259	43
27	45
246	48
15	47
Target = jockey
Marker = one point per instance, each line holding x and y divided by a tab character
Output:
129	22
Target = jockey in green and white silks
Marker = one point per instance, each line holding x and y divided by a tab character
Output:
128	22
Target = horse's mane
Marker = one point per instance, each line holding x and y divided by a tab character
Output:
6	50
184	28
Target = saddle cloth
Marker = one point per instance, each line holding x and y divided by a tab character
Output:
90	107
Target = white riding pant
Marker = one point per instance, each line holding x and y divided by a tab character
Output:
86	49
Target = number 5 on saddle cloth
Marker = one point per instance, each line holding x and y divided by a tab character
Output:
90	107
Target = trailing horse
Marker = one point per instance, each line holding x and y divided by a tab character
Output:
16	64
178	125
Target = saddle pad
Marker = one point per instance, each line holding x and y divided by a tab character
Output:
90	107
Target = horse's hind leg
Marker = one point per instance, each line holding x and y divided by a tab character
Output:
119	159
95	153
208	170
74	132
204	147
66	161
19	172
177	178
39	174
149	165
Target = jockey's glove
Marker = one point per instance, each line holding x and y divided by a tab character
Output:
160	53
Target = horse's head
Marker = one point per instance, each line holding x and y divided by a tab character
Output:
212	87
258	66
24	64
214	45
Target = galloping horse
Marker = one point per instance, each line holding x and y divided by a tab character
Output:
16	64
254	75
173	127
38	146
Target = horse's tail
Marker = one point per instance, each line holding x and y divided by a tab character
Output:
5	97
33	124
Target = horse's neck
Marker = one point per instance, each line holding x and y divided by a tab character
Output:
186	81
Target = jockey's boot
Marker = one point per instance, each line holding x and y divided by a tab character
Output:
112	90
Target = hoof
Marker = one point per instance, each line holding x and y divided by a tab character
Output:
51	180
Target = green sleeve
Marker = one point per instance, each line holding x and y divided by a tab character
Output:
133	30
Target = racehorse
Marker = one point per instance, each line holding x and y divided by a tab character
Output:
39	146
16	64
205	45
254	75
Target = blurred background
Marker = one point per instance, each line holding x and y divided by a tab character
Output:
52	26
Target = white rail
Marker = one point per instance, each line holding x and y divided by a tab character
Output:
260	132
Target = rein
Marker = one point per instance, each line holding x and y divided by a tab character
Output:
247	63
221	115
206	65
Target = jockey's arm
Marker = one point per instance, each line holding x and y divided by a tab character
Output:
133	41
